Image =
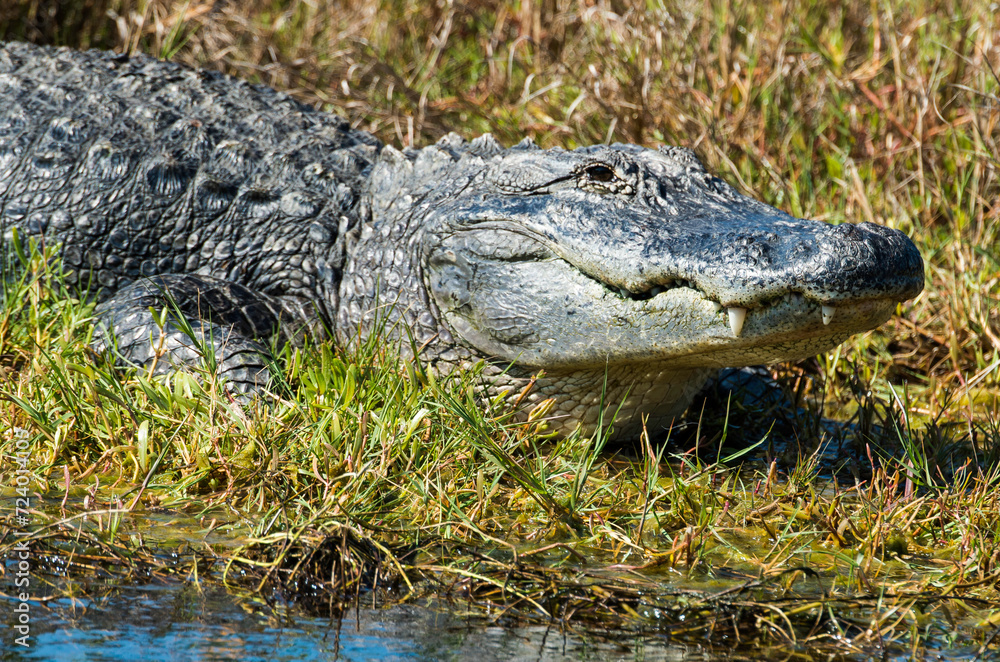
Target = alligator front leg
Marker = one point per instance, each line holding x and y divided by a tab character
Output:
178	322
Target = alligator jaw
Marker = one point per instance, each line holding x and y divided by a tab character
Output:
736	314
644	359
522	303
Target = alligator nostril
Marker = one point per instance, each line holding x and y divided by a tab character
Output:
802	249
848	230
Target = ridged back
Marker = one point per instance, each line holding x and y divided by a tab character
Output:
143	167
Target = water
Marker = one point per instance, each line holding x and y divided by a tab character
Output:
169	619
182	622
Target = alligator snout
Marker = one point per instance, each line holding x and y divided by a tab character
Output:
863	261
831	265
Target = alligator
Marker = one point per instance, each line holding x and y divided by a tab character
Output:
611	276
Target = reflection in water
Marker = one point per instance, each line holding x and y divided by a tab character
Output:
181	622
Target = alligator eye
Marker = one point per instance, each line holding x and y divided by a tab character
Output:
600	173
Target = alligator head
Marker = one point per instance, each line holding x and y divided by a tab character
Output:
618	272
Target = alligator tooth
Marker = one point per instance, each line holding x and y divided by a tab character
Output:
655	290
736	319
828	312
718	306
622	291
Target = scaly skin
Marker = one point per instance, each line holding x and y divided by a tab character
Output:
614	269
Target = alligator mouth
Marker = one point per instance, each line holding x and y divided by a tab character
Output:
670	313
736	314
518	297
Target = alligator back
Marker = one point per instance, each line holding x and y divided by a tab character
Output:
141	167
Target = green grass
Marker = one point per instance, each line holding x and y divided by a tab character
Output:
874	113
